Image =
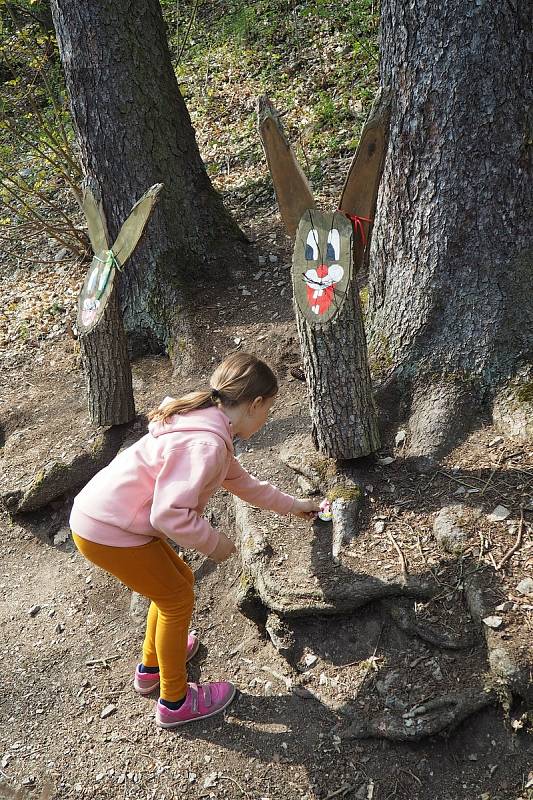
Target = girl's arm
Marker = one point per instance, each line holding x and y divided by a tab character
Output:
258	493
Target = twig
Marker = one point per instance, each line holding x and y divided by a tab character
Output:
516	545
403	560
453	478
227	778
408	772
346	788
102	660
493	473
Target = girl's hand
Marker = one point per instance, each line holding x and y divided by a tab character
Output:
224	549
306	509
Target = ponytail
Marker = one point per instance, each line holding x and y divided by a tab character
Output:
240	378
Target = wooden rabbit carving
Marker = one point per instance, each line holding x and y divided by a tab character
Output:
328	247
101	332
99	280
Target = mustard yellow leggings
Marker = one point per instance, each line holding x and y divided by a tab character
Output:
156	571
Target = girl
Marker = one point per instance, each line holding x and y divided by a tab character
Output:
158	488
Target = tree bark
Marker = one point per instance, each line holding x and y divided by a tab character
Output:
107	369
133	131
451	262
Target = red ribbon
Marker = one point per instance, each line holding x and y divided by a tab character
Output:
358	225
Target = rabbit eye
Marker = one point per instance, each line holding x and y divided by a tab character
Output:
334	245
311	246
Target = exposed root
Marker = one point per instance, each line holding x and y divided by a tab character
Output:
403	615
436	716
440	414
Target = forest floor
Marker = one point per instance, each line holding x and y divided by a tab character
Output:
70	719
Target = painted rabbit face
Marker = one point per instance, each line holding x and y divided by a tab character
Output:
322	264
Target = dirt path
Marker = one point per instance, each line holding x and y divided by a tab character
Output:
69	645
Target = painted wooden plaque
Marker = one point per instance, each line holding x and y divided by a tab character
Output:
322	265
96	290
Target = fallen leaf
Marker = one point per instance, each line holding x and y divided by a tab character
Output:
493	622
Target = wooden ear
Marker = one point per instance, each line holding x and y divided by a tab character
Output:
133	228
292	189
360	190
94	214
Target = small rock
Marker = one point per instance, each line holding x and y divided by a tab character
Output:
493	621
499	514
525	587
273	259
472	757
107	711
267	689
310	659
400	438
246	293
59	628
507	606
261	260
192	777
211	780
447	530
34	610
379	527
237	340
385	461
62	536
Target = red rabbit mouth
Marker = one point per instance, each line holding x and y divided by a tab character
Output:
321	283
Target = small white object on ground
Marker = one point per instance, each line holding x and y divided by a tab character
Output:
493	622
499	514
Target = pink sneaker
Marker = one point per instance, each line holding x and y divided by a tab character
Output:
146	682
202	701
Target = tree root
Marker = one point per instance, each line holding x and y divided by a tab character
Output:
403	615
436	716
440	415
504	664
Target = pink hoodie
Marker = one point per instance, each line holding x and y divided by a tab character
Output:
160	485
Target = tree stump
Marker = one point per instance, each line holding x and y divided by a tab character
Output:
106	364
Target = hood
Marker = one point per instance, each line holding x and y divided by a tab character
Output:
210	419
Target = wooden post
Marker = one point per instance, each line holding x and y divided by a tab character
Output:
332	338
326	298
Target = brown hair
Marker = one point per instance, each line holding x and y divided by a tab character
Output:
239	378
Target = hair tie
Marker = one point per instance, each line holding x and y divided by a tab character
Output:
215	394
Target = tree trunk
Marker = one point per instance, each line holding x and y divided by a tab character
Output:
451	264
133	131
333	342
107	369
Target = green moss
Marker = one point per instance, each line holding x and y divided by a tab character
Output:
524	393
324	467
345	492
363	299
246	581
39	478
380	357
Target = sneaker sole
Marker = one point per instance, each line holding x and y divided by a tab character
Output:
141	690
196	719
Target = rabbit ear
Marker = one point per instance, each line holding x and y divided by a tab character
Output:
361	188
94	214
292	189
133	228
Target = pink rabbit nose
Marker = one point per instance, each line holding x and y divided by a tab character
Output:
322	271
